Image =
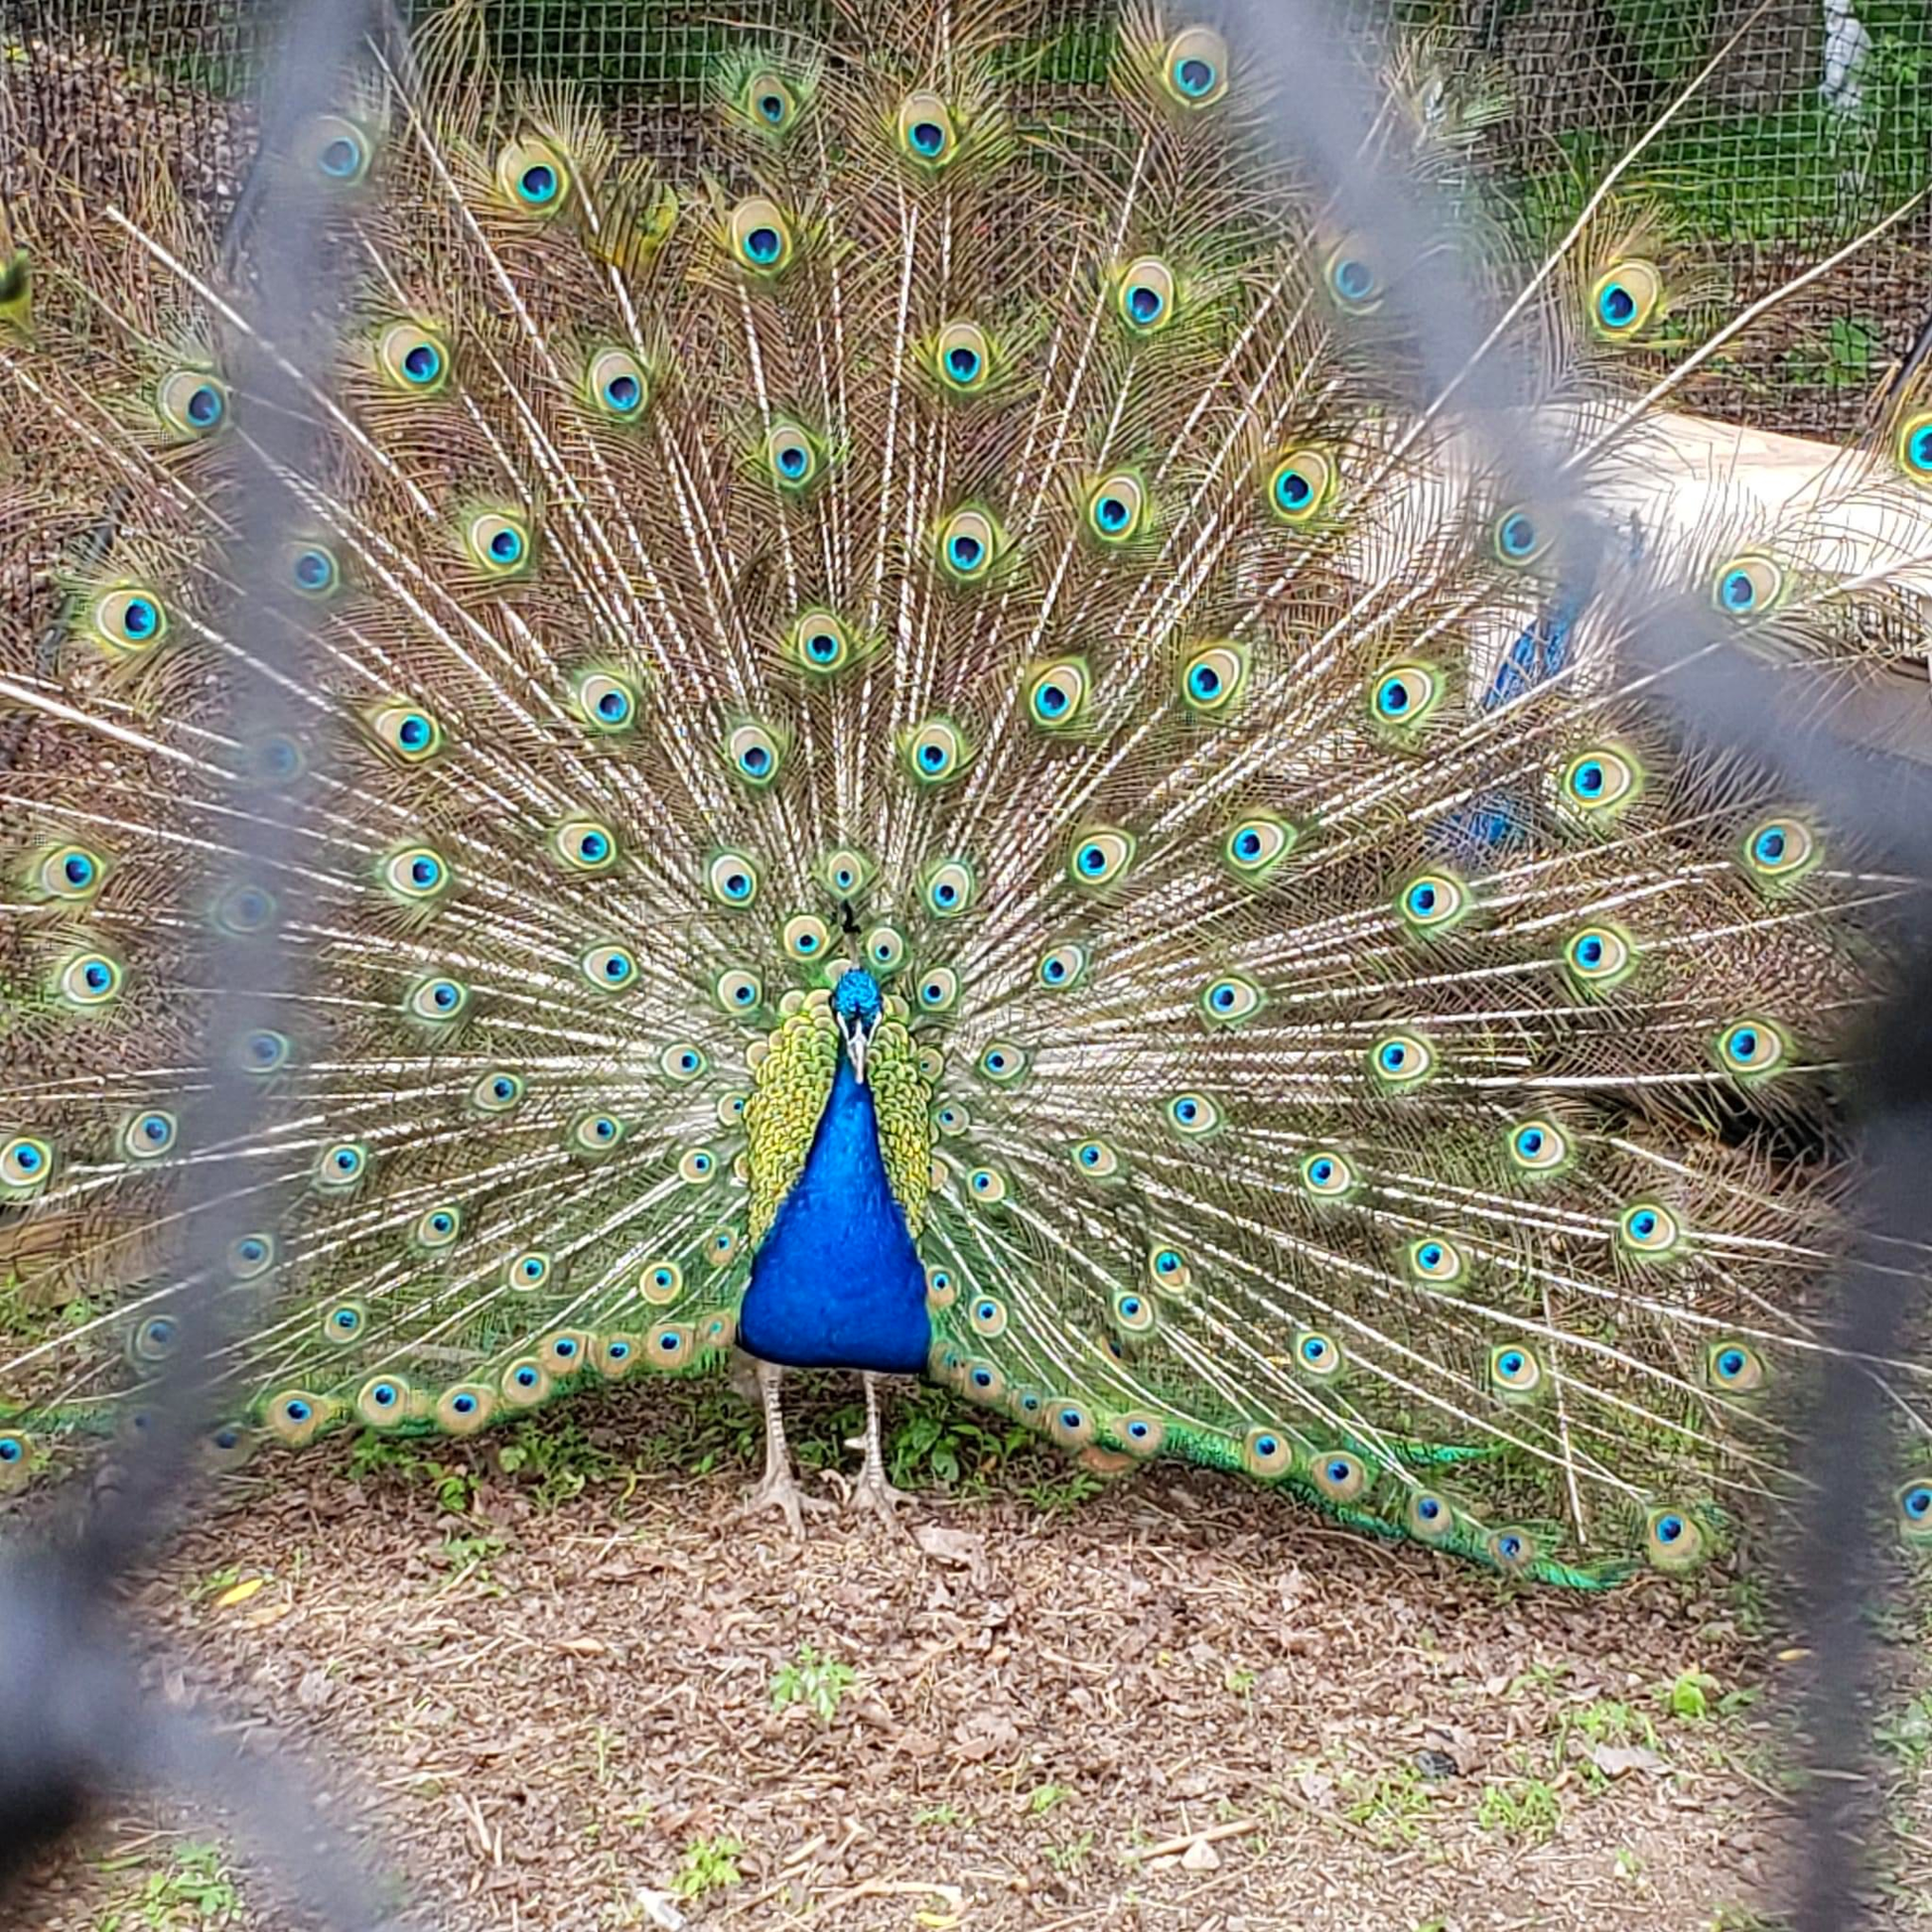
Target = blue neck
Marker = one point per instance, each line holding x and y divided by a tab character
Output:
837	1281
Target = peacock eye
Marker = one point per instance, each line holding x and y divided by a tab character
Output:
740	991
533	176
938	989
1211	679
968	542
790	457
1599	780
91	979
1100	857
1780	848
409	730
821	644
1624	298
1747	587
1353	278
806	937
1064	967
1401	1059
129	620
1117	508
1327	1173
1194	68
250	1256
1435	1260
1405	695
1538	1146
685	1061
149	1133
412	359
1914	447
609	968
71	871
1520	537
761	238
884	948
1229	1000
191	403
963	356
616	384
342	1163
936	752
25	1164
1147	295
767	102
338	150
1598	955
439	998
1431	902
497	1092
925	129
1300	486
1193	1115
754	753
1514	1370
949	889
1752	1047
733	878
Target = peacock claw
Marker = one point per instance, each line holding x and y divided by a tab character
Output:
871	1492
781	1492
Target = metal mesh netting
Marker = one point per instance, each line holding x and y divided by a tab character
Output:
1816	122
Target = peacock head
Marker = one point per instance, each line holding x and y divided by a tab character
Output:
857	1004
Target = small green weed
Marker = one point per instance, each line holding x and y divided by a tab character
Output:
377	1457
1907	1733
708	1864
1071	1855
555	1450
1044	1797
194	1892
818	1683
947	1817
1388	1807
1531	1811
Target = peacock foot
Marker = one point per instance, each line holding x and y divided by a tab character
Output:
871	1492
778	1490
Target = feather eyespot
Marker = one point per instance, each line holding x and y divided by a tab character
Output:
71	871
936	752
1193	1116
1133	1313
1598	956
342	1163
1317	1354
1257	845
1300	486
938	989
1101	857
1520	537
1599	780
1780	848
313	571
1327	1175
412	359
1747	587
1624	298
1230	1001
129	620
698	1167
1735	1366
1514	1370
1751	1049
526	1384
754	754
1401	1059
963	357
969	541
1117	508
336	150
384	1401
1915	447
1064	967
1339	1476
942	1290
437	1000
1097	1159
1435	1260
1267	1452
497	1092
617	385
1673	1539
925	130
805	937
733	878
846	872
1433	902
1169	1270
1195	67
986	1186
1537	1146
1353	279
417	873
1056	694
682	1062
265	1051
1915	1511
193	403
410	732
884	949
1405	695
149	1133
1648	1229
1429	1515
500	545
820	643
769	103
25	1164
1212	679
661	1282
949	889
438	1228
761	238
1147	295
610	969
251	1256
90	980
533	176
790	457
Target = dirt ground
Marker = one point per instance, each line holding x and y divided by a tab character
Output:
574	1696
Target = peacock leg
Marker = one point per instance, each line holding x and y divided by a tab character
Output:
873	1489
778	1489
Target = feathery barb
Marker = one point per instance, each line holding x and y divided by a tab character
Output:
952	744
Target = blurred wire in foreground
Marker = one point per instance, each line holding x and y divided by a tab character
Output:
75	1725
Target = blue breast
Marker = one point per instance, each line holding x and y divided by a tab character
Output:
837	1281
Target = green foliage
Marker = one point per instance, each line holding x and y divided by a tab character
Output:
193	1892
1044	1797
394	1458
1388	1806
708	1865
1690	1695
1906	1733
1527	1809
1069	1856
818	1683
554	1449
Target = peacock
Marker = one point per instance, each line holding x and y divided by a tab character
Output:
914	758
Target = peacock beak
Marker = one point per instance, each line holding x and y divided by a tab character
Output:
856	1038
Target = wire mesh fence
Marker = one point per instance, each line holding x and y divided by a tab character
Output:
1816	121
